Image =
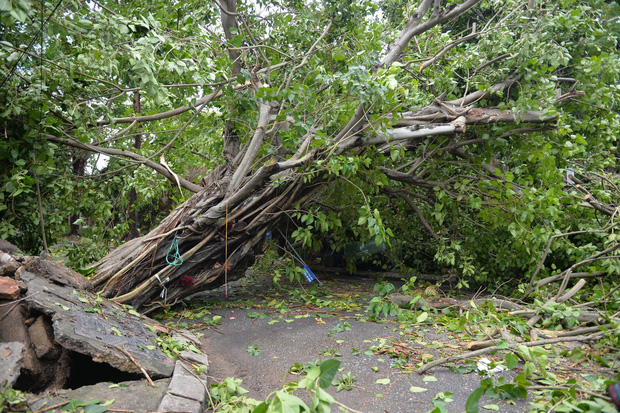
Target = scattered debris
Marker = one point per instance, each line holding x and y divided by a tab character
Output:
56	334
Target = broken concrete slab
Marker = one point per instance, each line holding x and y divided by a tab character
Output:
57	273
179	404
42	338
185	384
131	396
199	359
8	247
90	325
11	359
70	338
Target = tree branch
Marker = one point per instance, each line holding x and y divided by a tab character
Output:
126	154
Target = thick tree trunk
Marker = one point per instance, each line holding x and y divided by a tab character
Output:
217	240
221	227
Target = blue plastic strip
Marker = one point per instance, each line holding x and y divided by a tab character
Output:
309	274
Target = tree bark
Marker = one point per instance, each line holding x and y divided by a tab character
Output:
132	210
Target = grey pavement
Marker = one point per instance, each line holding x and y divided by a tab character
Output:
304	340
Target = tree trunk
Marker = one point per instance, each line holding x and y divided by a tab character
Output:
216	242
79	168
132	209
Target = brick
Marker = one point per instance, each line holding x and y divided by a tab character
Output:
177	404
9	290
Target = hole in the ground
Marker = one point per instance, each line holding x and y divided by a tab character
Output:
85	371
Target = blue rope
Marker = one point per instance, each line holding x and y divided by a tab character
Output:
173	257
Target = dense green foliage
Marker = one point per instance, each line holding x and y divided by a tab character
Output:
69	71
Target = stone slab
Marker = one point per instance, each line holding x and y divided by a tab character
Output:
42	338
90	325
137	396
11	359
57	273
8	247
196	358
178	404
185	384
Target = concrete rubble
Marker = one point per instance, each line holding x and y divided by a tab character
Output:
62	342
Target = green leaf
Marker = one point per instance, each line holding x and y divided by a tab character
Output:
471	405
328	370
287	403
492	407
502	343
135	313
511	361
383	381
95	408
261	408
415	389
422	317
321	402
254	350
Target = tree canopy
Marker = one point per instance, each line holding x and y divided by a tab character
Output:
475	135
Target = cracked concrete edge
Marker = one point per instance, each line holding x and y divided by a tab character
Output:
187	392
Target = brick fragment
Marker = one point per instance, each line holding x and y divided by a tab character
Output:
9	290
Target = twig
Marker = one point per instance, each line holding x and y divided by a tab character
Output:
21	299
585	330
36	179
346	407
432	364
48	408
530	288
125	352
572	291
570	388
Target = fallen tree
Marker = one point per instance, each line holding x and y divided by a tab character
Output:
212	248
415	128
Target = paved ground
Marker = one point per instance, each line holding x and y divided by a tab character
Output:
301	337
